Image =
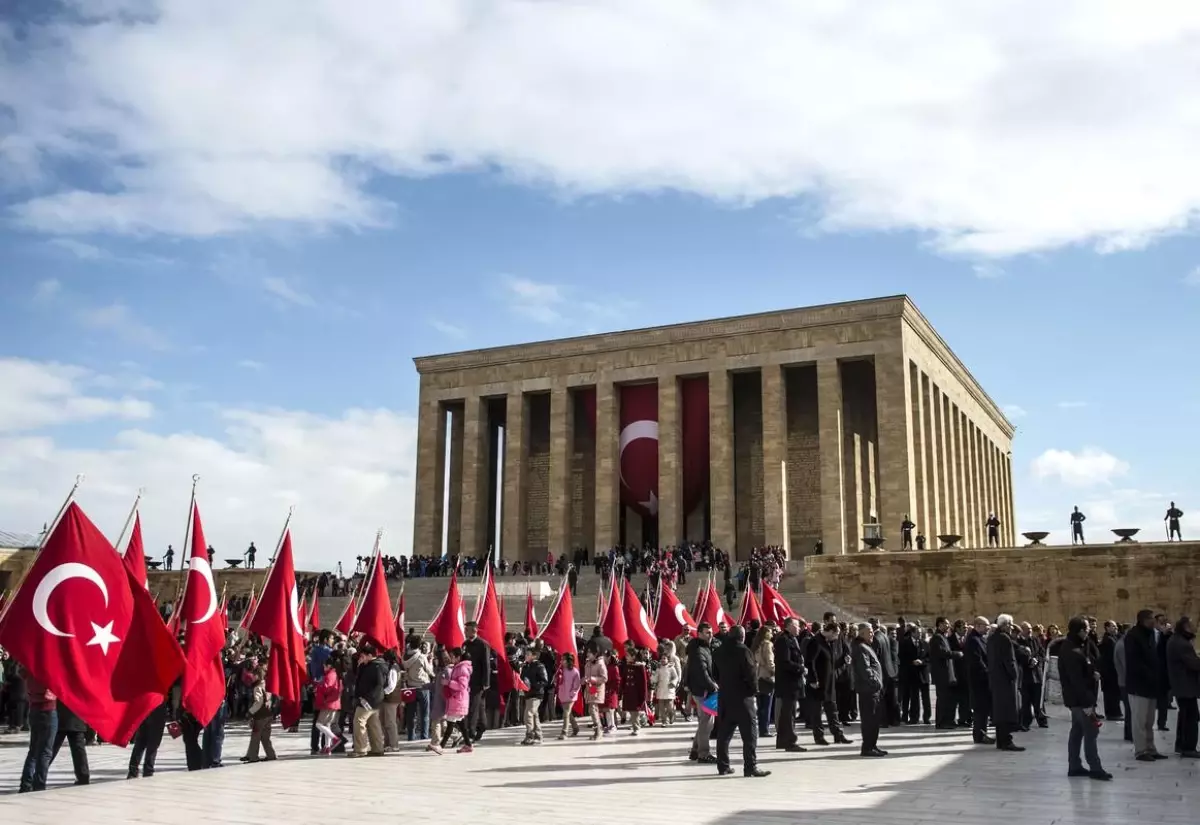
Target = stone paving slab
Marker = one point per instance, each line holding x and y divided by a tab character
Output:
931	777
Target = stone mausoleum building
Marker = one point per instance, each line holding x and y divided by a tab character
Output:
779	428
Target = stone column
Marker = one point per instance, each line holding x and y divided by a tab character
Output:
830	435
475	486
922	516
721	502
670	462
896	480
774	441
516	448
608	434
430	478
1008	497
933	462
562	428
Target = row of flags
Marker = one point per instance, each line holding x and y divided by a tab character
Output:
84	623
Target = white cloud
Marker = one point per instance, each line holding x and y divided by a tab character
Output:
1071	405
547	303
448	329
1014	412
348	473
82	251
993	127
39	395
1193	277
280	288
987	271
251	364
118	319
1088	467
46	290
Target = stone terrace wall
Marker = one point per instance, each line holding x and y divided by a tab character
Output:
1040	584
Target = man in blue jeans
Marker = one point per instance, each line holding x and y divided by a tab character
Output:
1079	679
43	727
213	739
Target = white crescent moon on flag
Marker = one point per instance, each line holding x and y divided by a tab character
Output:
679	611
46	587
720	616
645	620
295	611
200	565
462	625
780	609
632	432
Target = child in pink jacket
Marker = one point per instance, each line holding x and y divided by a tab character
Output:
569	684
458	700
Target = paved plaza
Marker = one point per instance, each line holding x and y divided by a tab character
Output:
929	778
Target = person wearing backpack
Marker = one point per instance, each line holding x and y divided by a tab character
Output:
262	717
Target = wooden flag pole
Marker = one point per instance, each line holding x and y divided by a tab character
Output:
129	520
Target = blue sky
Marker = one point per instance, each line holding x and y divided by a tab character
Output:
217	259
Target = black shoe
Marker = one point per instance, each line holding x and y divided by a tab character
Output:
707	760
1024	728
874	753
757	773
842	740
822	741
1190	755
987	740
724	771
1043	724
693	756
794	749
1073	772
1164	729
1101	776
1014	748
1160	756
1145	757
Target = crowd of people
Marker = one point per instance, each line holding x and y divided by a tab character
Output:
818	678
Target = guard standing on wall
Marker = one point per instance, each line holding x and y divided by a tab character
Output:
993	530
1077	520
1174	514
906	533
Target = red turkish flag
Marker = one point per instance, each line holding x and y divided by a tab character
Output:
774	607
135	554
375	620
346	621
701	595
637	622
638	446
303	611
672	618
203	632
613	623
559	630
400	614
712	612
314	618
751	610
277	619
489	619
84	627
250	608
531	626
447	627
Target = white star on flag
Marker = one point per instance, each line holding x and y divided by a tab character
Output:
104	637
651	504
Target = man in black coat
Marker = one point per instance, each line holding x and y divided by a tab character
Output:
1108	674
821	685
978	682
789	685
962	688
1142	685
476	650
880	643
72	729
147	741
734	669
868	683
1031	655
1004	679
1077	678
698	678
941	671
914	675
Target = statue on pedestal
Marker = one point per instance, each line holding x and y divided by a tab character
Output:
1174	514
1077	520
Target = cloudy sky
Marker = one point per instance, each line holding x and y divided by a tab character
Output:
227	227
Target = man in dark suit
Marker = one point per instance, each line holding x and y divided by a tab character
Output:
975	652
480	655
941	671
1004	679
733	667
914	675
789	685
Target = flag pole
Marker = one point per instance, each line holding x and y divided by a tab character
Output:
129	519
187	535
45	537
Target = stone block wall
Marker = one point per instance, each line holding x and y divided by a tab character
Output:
803	460
1038	585
537	480
582	481
750	525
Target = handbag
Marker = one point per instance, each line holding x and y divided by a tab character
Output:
174	730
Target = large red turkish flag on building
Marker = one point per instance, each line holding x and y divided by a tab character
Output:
448	625
84	627
203	632
375	619
638	445
277	619
672	617
135	554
